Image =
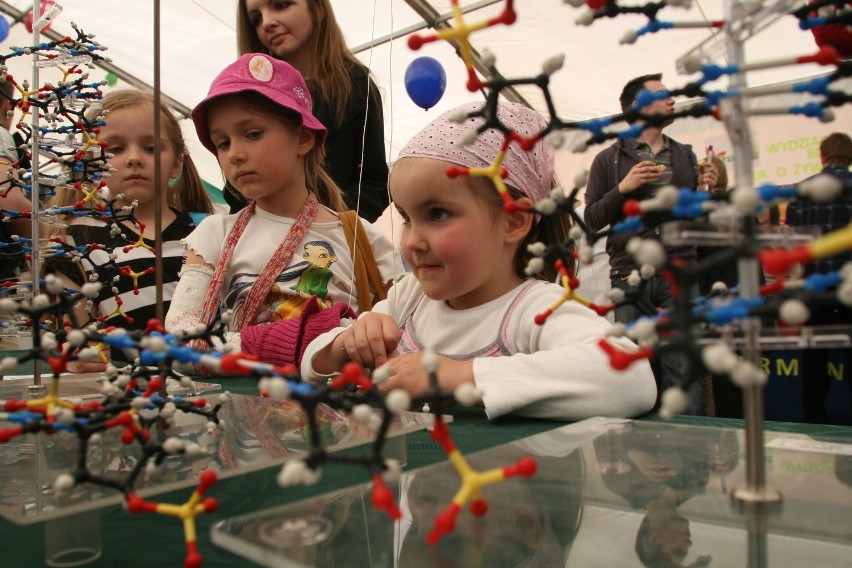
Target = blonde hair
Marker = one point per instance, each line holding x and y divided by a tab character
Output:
329	67
187	193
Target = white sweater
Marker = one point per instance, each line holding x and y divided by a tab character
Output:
557	370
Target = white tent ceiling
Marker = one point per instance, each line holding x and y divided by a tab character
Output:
197	39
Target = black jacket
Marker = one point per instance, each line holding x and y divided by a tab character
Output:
343	146
828	216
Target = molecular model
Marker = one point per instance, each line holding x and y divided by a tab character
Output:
134	409
131	410
134	403
676	329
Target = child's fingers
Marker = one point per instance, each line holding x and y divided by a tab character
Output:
384	338
368	346
391	334
372	340
86	366
407	373
358	348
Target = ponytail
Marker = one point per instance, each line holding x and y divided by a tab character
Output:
187	193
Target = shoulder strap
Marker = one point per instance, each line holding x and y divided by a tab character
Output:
367	274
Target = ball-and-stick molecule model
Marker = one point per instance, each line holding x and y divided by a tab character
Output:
673	330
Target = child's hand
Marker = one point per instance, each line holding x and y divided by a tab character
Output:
90	364
406	372
79	367
371	340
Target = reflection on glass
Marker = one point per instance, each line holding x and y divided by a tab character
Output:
661	473
660	466
260	433
530	522
663	539
607	493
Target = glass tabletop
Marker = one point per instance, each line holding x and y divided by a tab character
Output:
606	493
259	433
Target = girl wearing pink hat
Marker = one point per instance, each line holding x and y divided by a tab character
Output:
468	298
286	254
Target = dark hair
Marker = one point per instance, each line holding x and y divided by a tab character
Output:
8	89
836	149
7	96
316	178
774	215
632	88
549	229
650	553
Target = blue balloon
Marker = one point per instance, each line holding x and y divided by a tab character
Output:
425	81
4	28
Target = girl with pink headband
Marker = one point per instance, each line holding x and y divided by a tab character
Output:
468	298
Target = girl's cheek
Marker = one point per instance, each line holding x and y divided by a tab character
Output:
405	249
449	242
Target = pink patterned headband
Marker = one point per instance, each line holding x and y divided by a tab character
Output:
530	172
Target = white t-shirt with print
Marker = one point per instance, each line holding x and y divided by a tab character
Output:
321	265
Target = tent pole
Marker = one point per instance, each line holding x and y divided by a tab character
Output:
35	205
158	168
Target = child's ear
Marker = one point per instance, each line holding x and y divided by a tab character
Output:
176	167
519	223
307	139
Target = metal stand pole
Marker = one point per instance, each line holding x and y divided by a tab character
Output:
756	499
35	206
736	122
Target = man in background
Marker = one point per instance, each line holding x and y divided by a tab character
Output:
835	153
637	168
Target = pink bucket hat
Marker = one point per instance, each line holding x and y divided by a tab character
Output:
276	80
530	172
